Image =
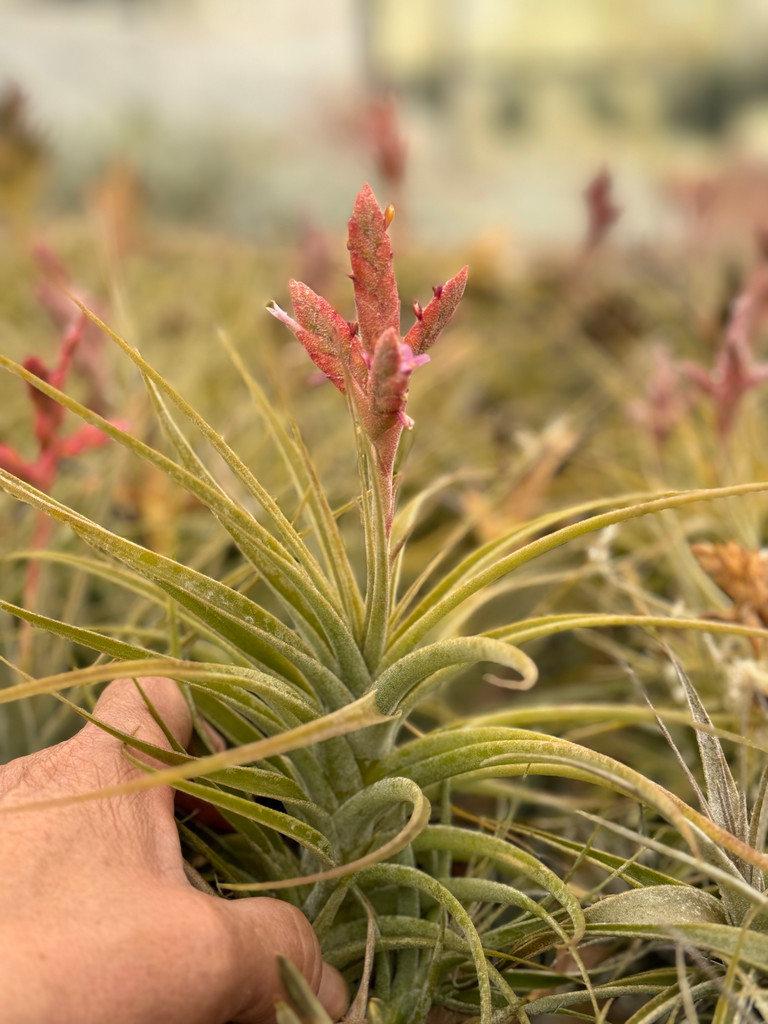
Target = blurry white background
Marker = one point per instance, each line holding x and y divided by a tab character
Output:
249	113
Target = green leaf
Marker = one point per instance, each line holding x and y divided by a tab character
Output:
394	686
370	802
488	753
87	637
551	625
304	597
155	595
403	525
652	1010
285	824
465	844
308	1008
344	944
664	905
720	940
666	1004
302	471
484	890
400	875
452	591
628	871
241	621
158	385
489	554
726	804
254	781
358	715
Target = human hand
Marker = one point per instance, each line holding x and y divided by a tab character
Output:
98	922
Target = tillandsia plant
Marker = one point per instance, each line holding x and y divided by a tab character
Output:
349	788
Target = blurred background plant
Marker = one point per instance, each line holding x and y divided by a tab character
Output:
602	174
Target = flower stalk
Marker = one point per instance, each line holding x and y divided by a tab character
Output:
367	359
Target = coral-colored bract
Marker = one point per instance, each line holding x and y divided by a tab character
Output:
49	417
368	359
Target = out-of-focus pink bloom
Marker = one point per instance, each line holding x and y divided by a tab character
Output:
48	420
666	400
389	148
602	212
735	372
90	358
367	358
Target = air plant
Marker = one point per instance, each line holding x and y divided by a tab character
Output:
349	792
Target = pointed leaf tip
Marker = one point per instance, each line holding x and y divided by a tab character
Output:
322	331
435	316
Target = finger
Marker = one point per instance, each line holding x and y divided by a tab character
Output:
204	812
263	929
333	992
122	706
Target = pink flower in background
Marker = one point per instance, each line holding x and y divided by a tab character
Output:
389	148
735	372
665	402
368	359
602	212
89	358
48	421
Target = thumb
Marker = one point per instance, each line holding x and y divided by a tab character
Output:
263	929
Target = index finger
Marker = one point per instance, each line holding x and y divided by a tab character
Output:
123	706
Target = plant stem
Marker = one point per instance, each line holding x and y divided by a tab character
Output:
378	596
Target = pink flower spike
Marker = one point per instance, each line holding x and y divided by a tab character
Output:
373	277
55	292
367	357
437	314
